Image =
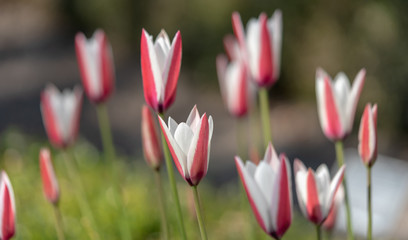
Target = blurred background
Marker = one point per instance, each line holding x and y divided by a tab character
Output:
37	47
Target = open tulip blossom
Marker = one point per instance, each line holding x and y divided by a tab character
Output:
49	180
7	208
161	63
337	102
95	60
261	46
315	191
189	144
268	187
60	113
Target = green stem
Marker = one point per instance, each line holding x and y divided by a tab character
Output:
173	186
106	134
110	156
340	162
266	128
370	213
59	226
81	197
162	205
199	215
318	232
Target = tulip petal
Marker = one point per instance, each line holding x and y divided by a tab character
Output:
150	140
238	29
50	183
323	186
275	29
300	178
193	119
312	199
107	67
172	70
271	157
265	57
7	208
282	192
353	98
50	120
258	203
179	157
334	186
264	176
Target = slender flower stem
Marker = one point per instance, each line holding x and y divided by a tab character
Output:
340	162
199	214
59	226
266	128
81	197
163	215
110	156
318	232
370	213
106	134
173	186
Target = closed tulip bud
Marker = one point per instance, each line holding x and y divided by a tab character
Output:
315	191
337	102
7	208
95	60
161	63
268	187
60	113
189	143
49	180
367	135
151	146
261	46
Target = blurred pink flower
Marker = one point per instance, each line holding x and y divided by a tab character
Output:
150	140
315	191
49	180
189	143
60	113
268	187
95	60
7	208
261	46
337	103
367	135
160	69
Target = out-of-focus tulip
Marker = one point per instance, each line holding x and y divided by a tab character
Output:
367	135
49	180
233	79
268	187
330	221
337	103
315	191
7	208
60	113
160	69
95	60
151	146
189	143
261	46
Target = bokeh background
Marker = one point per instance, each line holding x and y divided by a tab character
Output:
37	47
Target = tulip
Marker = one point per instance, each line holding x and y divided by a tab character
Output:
367	135
315	191
261	46
233	79
60	113
189	144
49	180
96	66
268	187
151	147
160	69
7	208
337	102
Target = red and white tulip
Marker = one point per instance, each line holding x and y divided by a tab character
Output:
261	46
268	187
337	102
150	140
367	135
7	208
60	113
49	180
95	60
315	191
161	61
189	143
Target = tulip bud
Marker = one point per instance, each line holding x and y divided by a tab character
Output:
49	180
151	147
7	208
367	135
